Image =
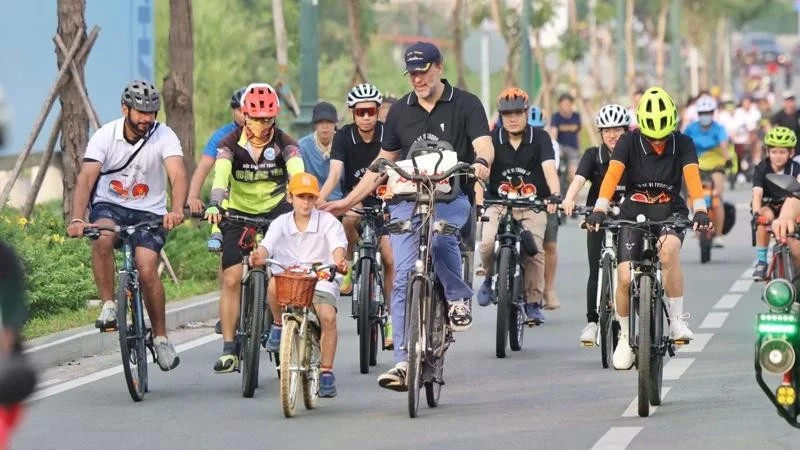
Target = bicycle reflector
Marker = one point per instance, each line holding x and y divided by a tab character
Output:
786	395
778	295
776	356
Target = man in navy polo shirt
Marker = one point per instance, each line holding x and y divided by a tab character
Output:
433	110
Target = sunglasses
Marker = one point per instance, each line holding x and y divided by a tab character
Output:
365	112
264	120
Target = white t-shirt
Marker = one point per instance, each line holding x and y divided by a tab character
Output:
288	245
143	184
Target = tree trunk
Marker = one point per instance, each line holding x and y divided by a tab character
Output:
458	42
661	31
74	119
721	38
281	42
509	27
178	84
354	22
630	49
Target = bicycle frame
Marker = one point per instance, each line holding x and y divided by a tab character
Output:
609	249
368	248
649	266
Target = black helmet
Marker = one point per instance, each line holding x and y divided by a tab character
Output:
236	98
142	96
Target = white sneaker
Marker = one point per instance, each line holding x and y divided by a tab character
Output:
718	242
589	334
108	317
679	329
623	355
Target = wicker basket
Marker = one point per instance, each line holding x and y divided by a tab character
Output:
295	287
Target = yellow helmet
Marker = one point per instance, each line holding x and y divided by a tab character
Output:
780	137
656	113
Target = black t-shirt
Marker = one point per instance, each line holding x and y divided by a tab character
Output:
648	172
355	154
791	121
760	177
13	306
593	167
521	165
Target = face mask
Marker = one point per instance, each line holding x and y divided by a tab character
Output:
257	133
705	120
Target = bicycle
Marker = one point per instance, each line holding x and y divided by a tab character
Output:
511	242
427	328
300	338
781	265
368	303
706	237
135	337
650	340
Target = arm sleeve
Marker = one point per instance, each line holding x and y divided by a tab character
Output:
222	173
292	155
691	174
477	125
391	141
171	145
94	149
338	145
759	176
722	135
334	234
210	149
609	185
546	151
273	237
586	166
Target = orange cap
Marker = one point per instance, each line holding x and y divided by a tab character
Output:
303	183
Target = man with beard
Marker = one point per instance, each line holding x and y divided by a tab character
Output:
355	146
122	181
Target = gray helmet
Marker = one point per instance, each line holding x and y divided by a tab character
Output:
142	96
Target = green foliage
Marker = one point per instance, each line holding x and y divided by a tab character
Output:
573	45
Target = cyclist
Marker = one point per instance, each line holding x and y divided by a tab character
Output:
523	155
565	125
254	162
711	141
780	142
307	235
123	161
657	159
788	116
433	110
612	121
355	146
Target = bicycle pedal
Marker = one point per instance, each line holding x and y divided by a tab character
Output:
587	344
109	329
681	341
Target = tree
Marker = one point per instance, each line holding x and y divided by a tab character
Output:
74	118
661	32
630	48
458	41
357	51
179	82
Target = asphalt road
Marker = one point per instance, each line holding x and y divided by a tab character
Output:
551	395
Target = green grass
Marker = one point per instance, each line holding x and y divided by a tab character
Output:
42	326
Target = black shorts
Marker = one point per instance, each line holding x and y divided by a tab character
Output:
232	232
123	216
629	246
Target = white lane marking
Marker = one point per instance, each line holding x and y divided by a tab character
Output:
697	344
78	382
741	286
617	438
676	367
633	408
728	301
747	274
714	320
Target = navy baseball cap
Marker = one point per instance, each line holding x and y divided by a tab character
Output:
420	56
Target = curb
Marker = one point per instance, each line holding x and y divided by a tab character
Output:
65	346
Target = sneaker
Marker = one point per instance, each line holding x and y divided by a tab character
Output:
679	329
327	385
460	316
388	338
718	242
226	363
108	317
218	327
551	300
589	334
760	272
395	378
623	355
534	313
166	355
214	243
274	340
485	293
346	288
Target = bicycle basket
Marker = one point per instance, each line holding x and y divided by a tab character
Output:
295	287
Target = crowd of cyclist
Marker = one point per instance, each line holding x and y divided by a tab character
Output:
640	167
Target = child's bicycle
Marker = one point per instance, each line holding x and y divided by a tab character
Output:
300	347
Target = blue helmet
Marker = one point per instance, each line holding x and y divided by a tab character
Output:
536	118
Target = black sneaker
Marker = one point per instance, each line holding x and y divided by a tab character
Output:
460	316
760	272
218	327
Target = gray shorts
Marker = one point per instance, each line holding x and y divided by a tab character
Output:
551	232
324	298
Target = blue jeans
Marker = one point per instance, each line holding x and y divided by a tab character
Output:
446	257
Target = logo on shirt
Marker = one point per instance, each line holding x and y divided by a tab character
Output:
428	136
515	186
132	186
441	125
269	153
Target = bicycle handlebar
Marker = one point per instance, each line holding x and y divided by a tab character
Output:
94	231
310	268
259	222
530	203
381	164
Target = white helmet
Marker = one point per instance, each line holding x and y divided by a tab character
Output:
705	104
364	92
613	116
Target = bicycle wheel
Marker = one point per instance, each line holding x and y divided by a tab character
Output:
312	362
376	327
516	322
645	343
657	355
504	275
439	344
365	295
705	247
606	311
290	366
131	339
416	345
254	298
